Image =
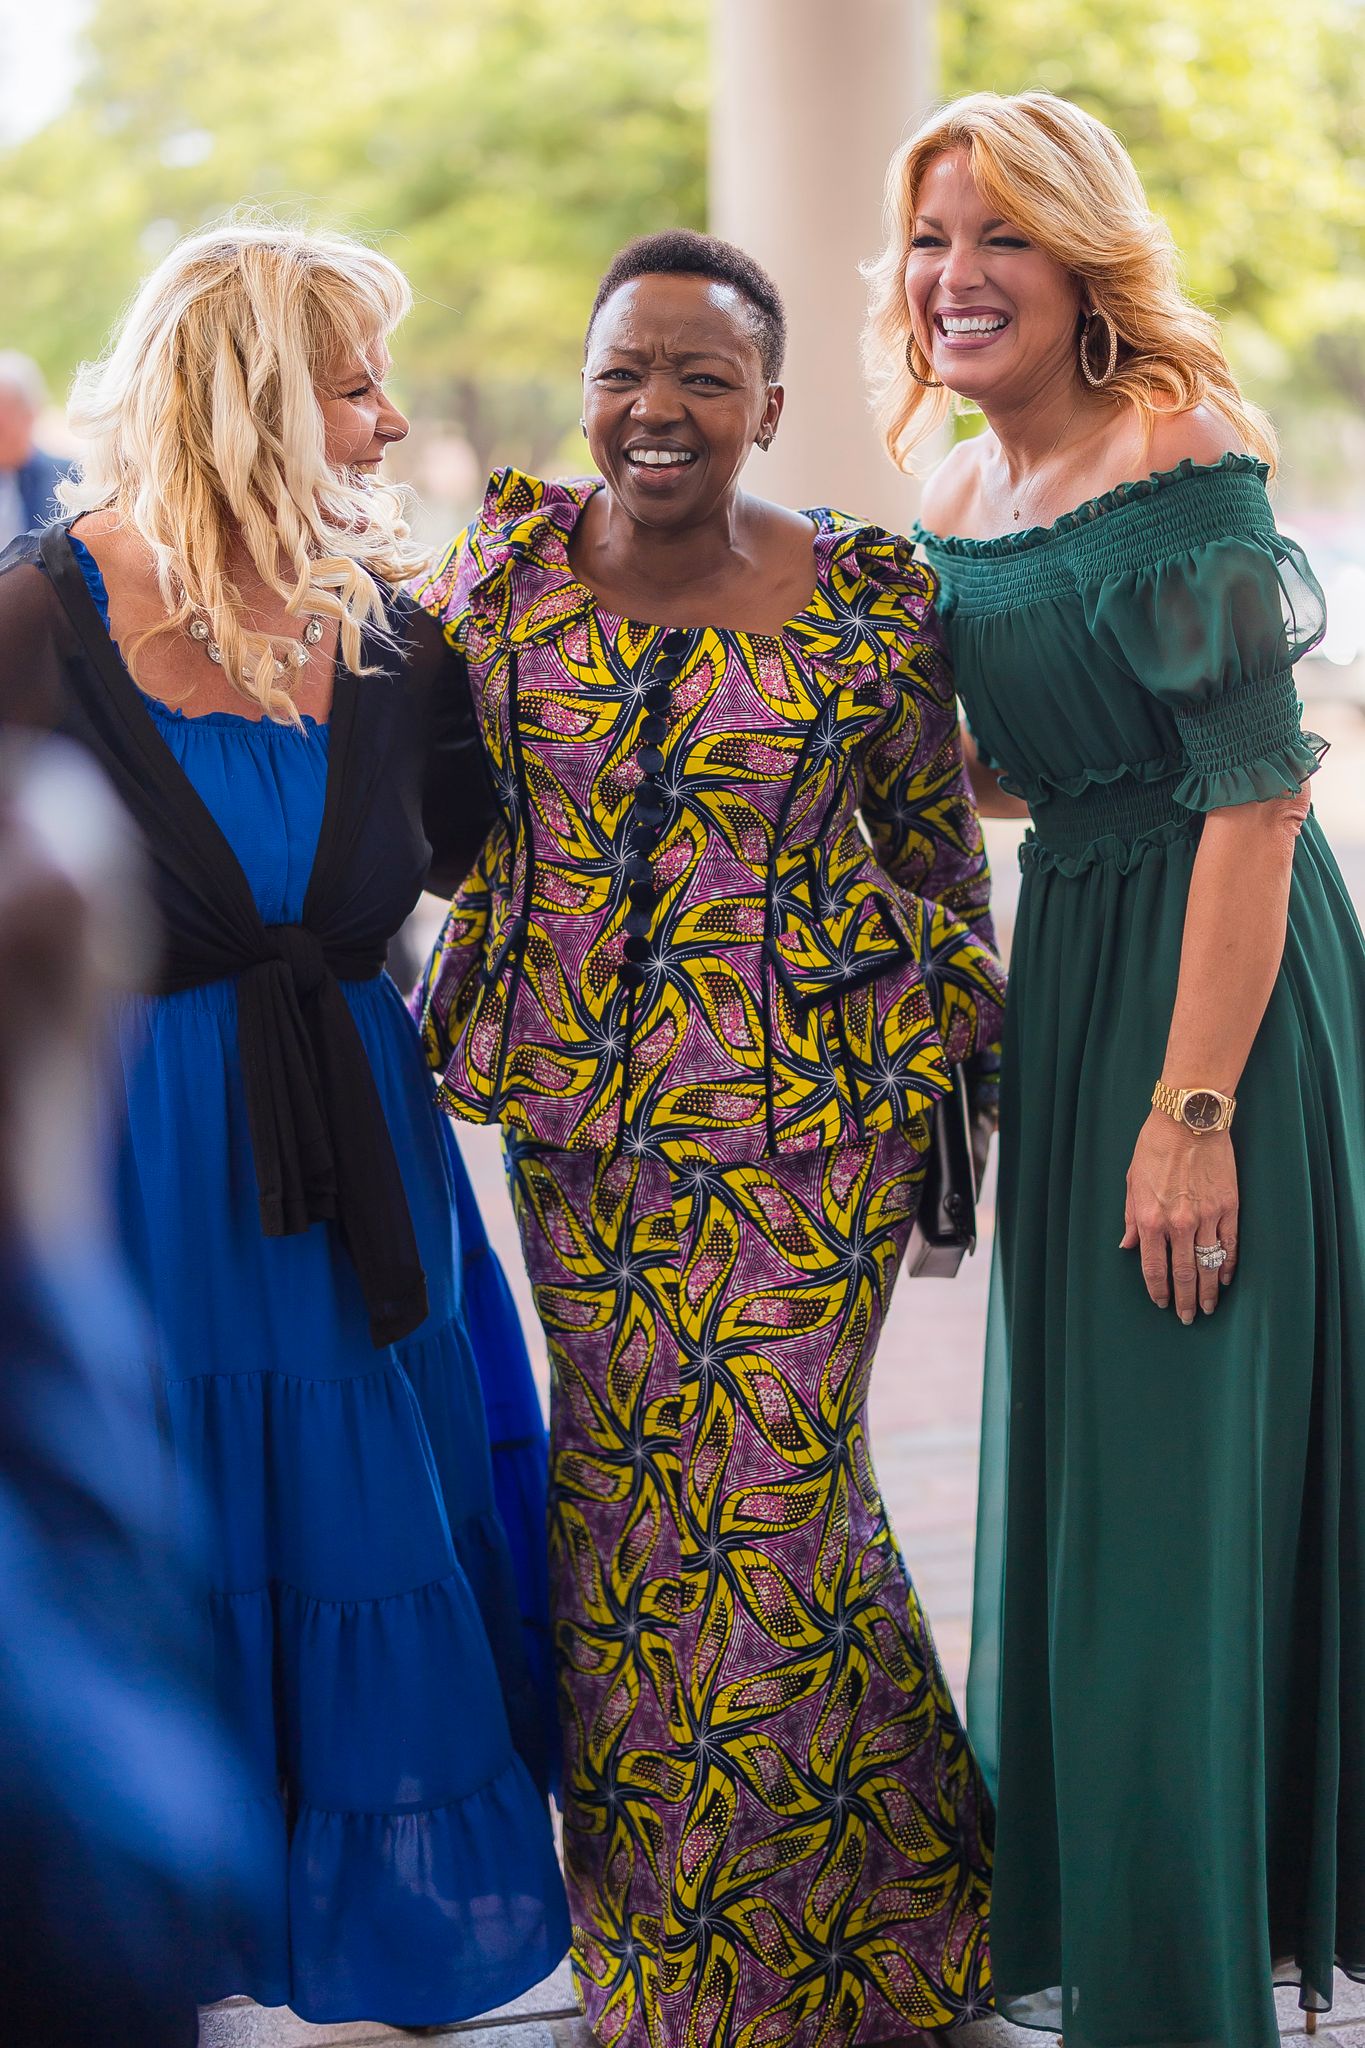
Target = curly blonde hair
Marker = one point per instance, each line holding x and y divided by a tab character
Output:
202	423
1068	183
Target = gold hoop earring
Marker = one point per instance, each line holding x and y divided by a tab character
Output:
925	383
1098	383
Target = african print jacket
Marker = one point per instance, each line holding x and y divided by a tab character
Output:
678	940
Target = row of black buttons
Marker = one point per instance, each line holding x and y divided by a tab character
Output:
649	809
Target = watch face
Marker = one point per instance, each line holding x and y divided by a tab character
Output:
1203	1109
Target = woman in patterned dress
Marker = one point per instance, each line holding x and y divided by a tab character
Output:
711	1017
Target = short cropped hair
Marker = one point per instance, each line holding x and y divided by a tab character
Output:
680	252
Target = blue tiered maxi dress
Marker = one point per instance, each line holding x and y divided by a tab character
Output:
364	1613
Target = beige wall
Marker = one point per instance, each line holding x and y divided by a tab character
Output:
811	97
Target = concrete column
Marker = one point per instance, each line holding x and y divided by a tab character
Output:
811	97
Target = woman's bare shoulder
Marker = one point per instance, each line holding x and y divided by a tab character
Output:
1202	434
950	491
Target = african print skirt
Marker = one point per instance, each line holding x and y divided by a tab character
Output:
774	1830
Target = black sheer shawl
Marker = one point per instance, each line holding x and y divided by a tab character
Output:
408	802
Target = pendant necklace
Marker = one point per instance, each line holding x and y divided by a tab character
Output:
1018	509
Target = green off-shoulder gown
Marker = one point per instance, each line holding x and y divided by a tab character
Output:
1168	1669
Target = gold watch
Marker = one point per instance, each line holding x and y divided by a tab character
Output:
1198	1109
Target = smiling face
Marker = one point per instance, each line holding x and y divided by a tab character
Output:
994	314
674	396
359	420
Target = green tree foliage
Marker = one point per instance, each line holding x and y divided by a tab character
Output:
1247	122
500	152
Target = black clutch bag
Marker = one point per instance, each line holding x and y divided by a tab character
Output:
945	1226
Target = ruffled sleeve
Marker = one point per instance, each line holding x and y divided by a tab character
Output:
507	576
1213	630
443	589
916	799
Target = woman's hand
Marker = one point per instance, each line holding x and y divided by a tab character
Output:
1182	1191
991	800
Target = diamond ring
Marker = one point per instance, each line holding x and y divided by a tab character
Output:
1211	1256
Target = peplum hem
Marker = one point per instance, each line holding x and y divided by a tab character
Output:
456	1906
1123	856
1043	788
1118	819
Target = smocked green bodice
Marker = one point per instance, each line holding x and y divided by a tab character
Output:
1131	666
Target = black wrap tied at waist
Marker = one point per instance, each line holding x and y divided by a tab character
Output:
318	1131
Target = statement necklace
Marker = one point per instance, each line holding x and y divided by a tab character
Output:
198	629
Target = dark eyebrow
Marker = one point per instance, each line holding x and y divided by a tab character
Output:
640	355
986	225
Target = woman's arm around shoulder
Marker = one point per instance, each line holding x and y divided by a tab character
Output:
459	808
443	587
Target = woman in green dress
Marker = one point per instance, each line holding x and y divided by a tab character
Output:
1169	1670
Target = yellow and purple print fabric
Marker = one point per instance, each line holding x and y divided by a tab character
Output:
739	894
775	1834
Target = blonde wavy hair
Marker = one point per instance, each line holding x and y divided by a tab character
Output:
203	425
1070	186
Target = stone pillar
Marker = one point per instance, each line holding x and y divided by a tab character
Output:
811	97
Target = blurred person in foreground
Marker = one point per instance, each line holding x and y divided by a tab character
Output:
28	475
1174	1454
218	622
712	1017
112	1772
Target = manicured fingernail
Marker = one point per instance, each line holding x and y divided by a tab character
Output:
1187	1319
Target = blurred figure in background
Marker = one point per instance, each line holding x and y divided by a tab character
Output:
112	1771
28	475
220	623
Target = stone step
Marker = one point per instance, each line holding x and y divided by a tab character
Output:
524	2023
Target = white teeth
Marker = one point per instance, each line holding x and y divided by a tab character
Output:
660	458
972	324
